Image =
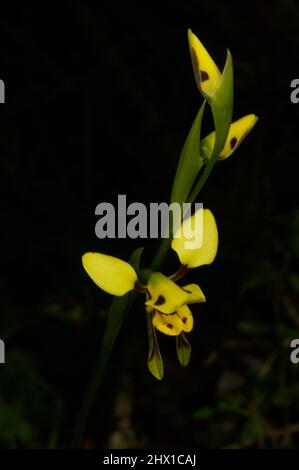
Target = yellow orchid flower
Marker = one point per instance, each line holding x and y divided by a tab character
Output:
206	72
166	302
164	296
237	132
203	248
117	277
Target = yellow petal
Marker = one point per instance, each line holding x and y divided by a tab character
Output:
207	74
165	295
111	274
184	313
196	241
171	325
196	295
237	133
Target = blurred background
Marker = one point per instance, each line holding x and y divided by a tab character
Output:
99	100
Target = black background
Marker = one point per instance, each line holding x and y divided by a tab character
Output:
99	100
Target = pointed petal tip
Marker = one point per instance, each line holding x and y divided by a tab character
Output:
190	34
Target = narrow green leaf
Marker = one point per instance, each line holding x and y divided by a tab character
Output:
118	310
144	274
254	328
189	163
135	258
155	361
183	349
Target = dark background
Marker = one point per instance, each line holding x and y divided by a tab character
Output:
99	100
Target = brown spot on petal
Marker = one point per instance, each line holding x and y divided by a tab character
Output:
195	66
204	76
233	142
184	320
194	58
160	300
169	326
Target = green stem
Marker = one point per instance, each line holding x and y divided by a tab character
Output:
91	394
113	327
181	272
109	340
202	181
161	254
164	246
110	335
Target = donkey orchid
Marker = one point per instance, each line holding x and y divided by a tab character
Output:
208	79
165	301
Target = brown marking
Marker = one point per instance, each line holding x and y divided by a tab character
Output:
195	66
204	76
169	326
160	300
186	290
233	142
194	59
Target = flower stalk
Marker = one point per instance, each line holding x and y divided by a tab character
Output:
166	302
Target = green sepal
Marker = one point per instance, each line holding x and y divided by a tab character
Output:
183	349
222	106
154	361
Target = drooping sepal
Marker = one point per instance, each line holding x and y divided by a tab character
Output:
154	361
183	349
